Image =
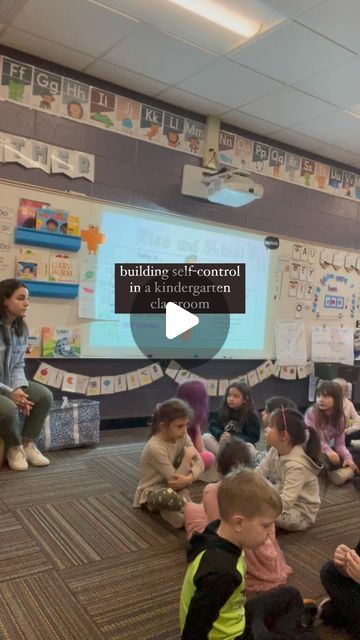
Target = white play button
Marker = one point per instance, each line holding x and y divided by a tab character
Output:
178	320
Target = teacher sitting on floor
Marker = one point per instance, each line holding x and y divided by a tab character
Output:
17	395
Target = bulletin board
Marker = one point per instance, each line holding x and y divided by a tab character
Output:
305	283
319	287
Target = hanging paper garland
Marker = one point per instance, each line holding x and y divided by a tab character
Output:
106	385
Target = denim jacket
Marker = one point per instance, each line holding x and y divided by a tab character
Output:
12	350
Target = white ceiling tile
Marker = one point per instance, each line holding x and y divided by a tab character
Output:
193	28
125	78
191	102
287	107
293	8
43	48
289	53
152	52
295	139
332	128
334	153
352	159
356	163
76	24
230	83
352	145
338	21
338	86
244	121
181	23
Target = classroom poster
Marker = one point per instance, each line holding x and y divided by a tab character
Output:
16	81
75	100
151	122
226	147
102	108
46	91
290	343
194	134
332	344
127	118
173	130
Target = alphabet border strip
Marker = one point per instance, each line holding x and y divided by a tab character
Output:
36	88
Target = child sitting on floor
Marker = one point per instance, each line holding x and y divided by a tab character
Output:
195	394
352	418
237	417
275	402
212	602
294	458
341	579
169	463
327	417
265	566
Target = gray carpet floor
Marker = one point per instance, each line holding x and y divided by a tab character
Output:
78	562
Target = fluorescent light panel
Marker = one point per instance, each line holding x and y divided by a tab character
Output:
222	16
108	8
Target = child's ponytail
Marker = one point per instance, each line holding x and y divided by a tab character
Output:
292	421
312	446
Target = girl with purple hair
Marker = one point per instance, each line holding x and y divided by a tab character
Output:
195	394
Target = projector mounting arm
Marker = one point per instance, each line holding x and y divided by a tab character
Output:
208	177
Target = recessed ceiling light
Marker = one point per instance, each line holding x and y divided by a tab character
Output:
215	12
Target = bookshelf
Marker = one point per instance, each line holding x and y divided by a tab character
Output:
46	239
54	241
44	289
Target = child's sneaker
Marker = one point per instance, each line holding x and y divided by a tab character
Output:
175	518
310	613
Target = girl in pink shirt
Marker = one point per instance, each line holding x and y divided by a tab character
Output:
327	417
266	566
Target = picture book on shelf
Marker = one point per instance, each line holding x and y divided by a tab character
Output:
33	348
73	225
61	342
62	268
32	264
27	212
52	220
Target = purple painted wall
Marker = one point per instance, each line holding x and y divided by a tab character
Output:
143	174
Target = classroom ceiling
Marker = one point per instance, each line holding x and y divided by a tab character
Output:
295	82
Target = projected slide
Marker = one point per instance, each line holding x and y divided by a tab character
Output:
151	238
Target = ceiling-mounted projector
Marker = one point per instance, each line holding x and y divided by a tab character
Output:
229	187
233	188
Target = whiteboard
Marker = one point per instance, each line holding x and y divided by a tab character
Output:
312	284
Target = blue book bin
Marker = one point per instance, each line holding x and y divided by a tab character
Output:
46	239
45	289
